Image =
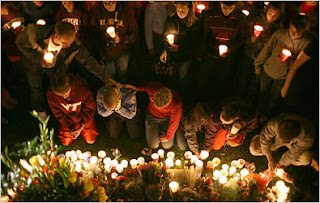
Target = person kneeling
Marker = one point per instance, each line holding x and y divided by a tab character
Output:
72	103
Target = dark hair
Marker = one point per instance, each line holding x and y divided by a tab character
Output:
289	129
196	117
230	111
229	3
300	22
191	18
61	83
64	29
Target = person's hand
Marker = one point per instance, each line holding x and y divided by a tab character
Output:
257	70
75	134
117	39
197	153
45	64
173	48
163	57
163	137
272	165
284	92
253	39
315	164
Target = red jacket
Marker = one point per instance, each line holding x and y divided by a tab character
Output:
173	110
78	108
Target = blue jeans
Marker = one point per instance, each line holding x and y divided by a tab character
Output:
117	66
154	126
183	70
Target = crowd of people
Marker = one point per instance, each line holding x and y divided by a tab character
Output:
221	71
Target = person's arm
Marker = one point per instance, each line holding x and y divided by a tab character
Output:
175	116
129	109
211	132
88	107
300	60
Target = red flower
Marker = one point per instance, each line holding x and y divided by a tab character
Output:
46	186
45	169
79	174
53	159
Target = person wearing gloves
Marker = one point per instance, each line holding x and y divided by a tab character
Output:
120	105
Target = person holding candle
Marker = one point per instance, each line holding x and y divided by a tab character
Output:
290	130
184	28
163	117
72	103
222	128
113	47
273	67
120	105
34	41
35	10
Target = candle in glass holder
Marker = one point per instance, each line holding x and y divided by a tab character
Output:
236	126
199	165
216	174
48	57
41	22
236	176
209	165
119	168
124	163
133	163
16	24
155	157
178	162
141	161
216	161
257	30
251	167
111	31
281	199
225	166
244	172
224	172
78	168
170	155
170	38
232	170
188	154
285	55
234	163
193	159
223	180
107	160
279	172
204	154
246	12
200	7
114	175
74	157
174	186
107	167
102	154
161	153
169	162
241	163
223	49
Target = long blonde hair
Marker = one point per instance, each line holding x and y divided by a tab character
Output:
191	18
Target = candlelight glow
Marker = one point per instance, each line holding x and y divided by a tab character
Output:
174	186
236	176
133	163
193	159
141	161
188	154
170	155
74	157
246	12
114	176
114	163
204	154
281	199
178	162
232	170
16	24
279	172
107	160
155	157
111	31
225	166
124	163
241	163
223	180
169	162
201	7
280	184
216	174
234	163
41	22
285	55
170	38
161	153
94	160
199	163
244	172
210	165
48	57
216	161
224	172
119	168
223	49
102	154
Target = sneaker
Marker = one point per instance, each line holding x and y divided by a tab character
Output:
147	151
43	115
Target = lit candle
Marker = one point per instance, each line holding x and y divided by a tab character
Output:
232	170
41	22
94	160
155	157
161	153
234	163
174	186
216	161
170	155
244	172
16	24
107	160
107	167
111	31
257	30
141	161
280	184
225	166
266	3
85	165
169	162
235	128
193	159
245	12
236	176
279	172
78	152
82	156
74	157
188	154
178	162
119	168
48	57
114	176
170	38
114	163
285	54
209	165
201	7
223	180
241	163
124	163
78	168
102	154
216	174
224	172
251	167
204	154
133	163
199	165
281	199
223	49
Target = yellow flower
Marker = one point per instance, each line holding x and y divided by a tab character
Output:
100	190
88	185
61	161
73	177
34	161
103	198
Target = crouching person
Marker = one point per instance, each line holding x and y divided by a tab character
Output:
72	103
289	130
120	105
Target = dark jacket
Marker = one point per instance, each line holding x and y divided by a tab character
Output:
47	12
34	39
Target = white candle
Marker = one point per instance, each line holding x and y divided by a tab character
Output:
193	159
210	165
74	157
216	161
199	165
111	31
78	168
85	164
178	162
94	160
169	162
236	176
223	49
235	128
225	166
170	155
119	168
245	12
234	163
155	157
107	160
216	174
114	175
223	180
266	3
124	163
133	163
244	172
114	163
107	167
174	186
48	57
16	24
201	7
285	55
232	170
224	172
141	161
241	163
170	38
188	154
204	154
41	22
102	154
161	153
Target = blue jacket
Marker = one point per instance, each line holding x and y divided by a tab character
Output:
128	102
